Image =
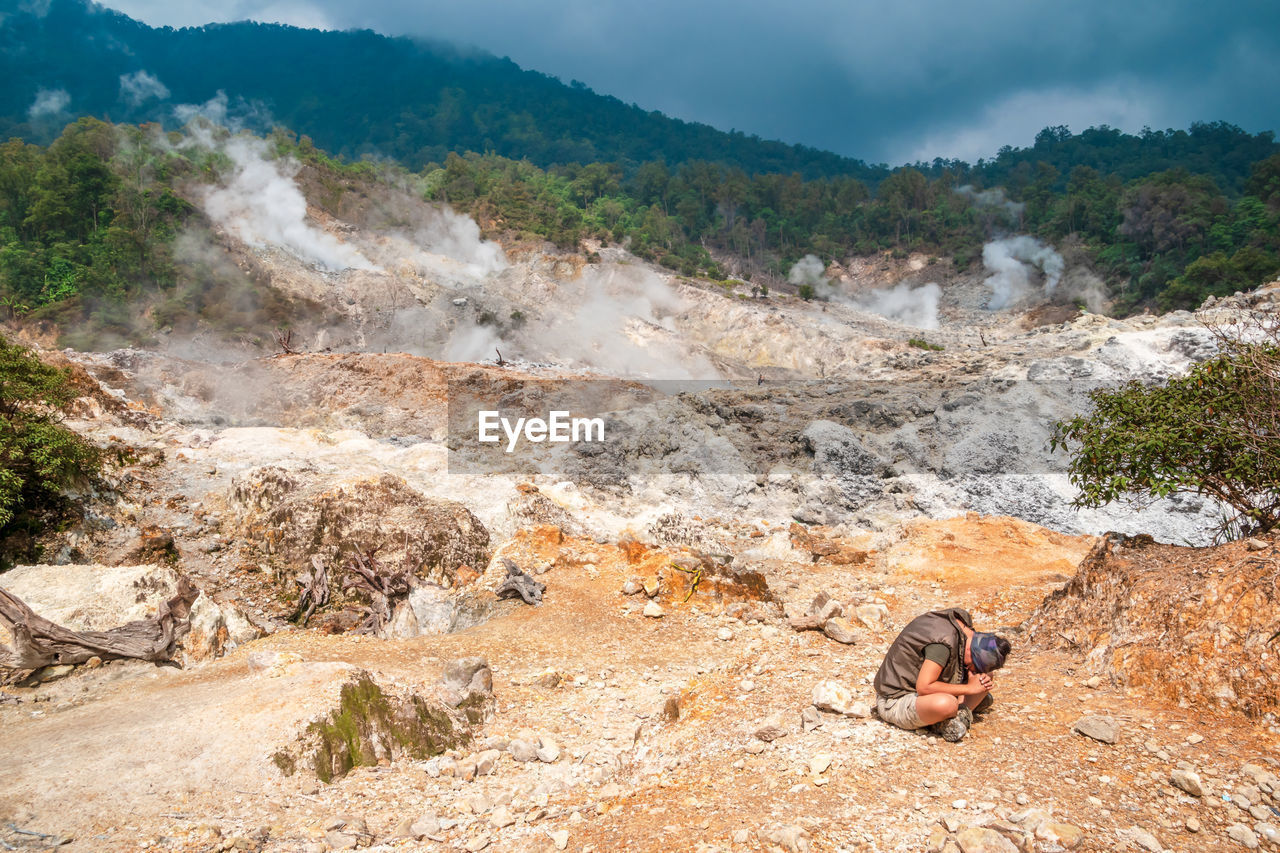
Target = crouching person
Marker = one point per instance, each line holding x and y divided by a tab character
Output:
937	673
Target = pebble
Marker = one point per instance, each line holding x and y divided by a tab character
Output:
819	764
1187	781
746	685
1102	729
1255	544
548	751
839	629
631	587
975	839
522	750
771	730
1192	825
1145	840
724	634
1194	739
560	838
741	836
653	611
1243	835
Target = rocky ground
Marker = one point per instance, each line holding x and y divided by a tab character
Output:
718	584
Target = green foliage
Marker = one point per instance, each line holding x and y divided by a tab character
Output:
39	458
921	343
1211	433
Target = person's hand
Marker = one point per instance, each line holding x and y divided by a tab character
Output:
979	682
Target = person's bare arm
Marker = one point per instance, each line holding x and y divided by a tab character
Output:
927	682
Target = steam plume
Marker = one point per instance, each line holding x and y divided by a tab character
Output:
1008	261
141	86
48	102
263	206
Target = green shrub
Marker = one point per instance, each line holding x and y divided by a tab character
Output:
1211	433
920	343
39	457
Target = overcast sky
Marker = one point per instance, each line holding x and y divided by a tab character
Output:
886	82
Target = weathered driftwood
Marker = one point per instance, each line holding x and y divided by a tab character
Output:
37	642
518	583
384	590
315	592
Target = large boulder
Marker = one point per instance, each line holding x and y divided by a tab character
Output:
293	515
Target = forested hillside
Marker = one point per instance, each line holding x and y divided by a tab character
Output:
89	223
354	93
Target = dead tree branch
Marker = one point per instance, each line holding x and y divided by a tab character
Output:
37	642
384	590
315	592
519	583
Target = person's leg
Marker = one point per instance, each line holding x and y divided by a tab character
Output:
972	702
936	707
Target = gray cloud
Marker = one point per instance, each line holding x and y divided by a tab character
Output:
931	78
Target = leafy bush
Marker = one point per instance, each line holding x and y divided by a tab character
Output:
1214	432
921	343
39	457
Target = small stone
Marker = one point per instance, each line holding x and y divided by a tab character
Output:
755	748
1022	799
548	751
741	836
873	616
937	840
1187	781
1093	683
1194	739
976	839
1063	834
522	750
652	585
1192	825
832	696
1030	819
839	629
478	843
93	662
653	611
1269	831
340	840
1103	729
791	838
724	634
771	730
1145	840
501	818
548	678
1242	835
428	824
631	587
1254	544
560	838
746	685
819	764
810	718
487	762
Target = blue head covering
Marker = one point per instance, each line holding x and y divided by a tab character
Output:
985	652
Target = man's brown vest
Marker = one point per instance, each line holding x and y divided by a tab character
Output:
901	667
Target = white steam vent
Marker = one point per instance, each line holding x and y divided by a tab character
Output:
263	206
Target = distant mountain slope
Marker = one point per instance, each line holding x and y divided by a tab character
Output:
354	93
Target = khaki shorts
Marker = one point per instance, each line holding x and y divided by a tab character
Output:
900	711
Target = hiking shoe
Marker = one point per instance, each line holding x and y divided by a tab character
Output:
954	729
985	705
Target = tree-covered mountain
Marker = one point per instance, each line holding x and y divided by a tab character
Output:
354	93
